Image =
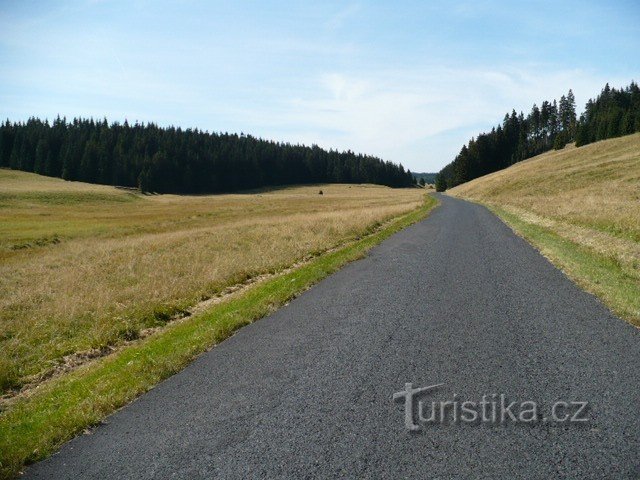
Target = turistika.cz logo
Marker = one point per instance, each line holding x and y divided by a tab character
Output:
491	408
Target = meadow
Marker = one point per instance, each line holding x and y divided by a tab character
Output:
581	208
85	267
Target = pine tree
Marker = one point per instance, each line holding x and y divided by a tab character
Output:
571	114
4	140
42	152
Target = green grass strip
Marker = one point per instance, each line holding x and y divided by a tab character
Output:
615	285
36	426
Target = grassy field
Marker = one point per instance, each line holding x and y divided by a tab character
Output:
297	224
83	267
581	208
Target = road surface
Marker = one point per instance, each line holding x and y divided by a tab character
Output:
456	299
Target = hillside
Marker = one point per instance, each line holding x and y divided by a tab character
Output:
613	113
149	256
581	208
95	279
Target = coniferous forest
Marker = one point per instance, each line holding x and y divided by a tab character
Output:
172	160
552	125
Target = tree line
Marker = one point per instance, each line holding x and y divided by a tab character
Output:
424	177
172	160
612	114
552	125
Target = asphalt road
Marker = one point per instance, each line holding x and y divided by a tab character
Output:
456	299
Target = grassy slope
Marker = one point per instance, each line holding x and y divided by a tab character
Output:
581	208
83	267
37	423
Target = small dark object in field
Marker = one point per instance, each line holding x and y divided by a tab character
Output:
320	192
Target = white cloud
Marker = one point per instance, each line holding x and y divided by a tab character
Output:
338	20
402	115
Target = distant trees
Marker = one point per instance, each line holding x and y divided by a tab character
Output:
427	177
552	125
172	160
441	183
612	114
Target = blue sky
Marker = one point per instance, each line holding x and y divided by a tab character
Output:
407	81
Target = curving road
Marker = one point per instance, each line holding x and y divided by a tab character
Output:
456	299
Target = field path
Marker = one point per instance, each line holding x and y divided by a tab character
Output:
456	299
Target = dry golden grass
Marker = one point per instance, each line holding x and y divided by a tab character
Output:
589	196
84	266
596	187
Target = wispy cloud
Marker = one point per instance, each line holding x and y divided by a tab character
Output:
388	112
337	20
